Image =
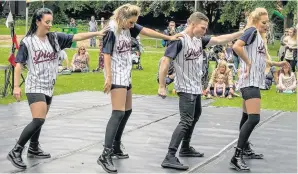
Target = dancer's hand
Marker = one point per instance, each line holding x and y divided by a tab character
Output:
108	85
103	31
17	93
247	70
284	63
162	92
176	37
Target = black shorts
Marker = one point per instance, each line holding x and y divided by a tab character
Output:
250	92
121	86
38	97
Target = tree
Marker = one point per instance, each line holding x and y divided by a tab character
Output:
289	10
238	8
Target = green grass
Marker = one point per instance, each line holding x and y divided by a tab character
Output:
270	100
144	82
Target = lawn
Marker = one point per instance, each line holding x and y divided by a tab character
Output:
144	82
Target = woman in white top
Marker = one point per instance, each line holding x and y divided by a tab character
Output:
291	48
287	80
252	50
39	50
117	71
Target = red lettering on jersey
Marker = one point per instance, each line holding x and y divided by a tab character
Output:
44	56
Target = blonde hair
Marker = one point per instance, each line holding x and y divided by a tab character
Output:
197	17
294	37
79	53
123	13
255	16
221	76
223	64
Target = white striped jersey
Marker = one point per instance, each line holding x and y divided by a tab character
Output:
118	45
187	55
42	61
256	52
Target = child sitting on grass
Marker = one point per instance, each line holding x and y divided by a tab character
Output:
287	80
220	87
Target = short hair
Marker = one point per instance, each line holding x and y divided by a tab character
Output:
197	17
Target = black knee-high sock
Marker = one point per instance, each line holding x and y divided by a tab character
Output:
247	128
29	130
112	127
243	119
122	125
35	136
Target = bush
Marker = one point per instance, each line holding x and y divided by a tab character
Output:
20	21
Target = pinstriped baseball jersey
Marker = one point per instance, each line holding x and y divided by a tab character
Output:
118	45
188	63
256	52
42	62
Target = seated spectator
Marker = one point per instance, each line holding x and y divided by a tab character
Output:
228	79
222	57
171	73
287	80
219	87
61	57
80	61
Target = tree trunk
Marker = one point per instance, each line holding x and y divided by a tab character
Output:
200	7
288	20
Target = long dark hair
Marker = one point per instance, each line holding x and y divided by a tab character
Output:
37	16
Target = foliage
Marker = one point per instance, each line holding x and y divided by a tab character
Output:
238	8
291	7
158	7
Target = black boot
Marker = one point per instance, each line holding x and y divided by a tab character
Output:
15	157
35	151
118	153
105	160
188	151
173	162
237	161
249	153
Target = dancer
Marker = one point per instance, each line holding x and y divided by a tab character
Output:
118	65
39	50
187	54
252	49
